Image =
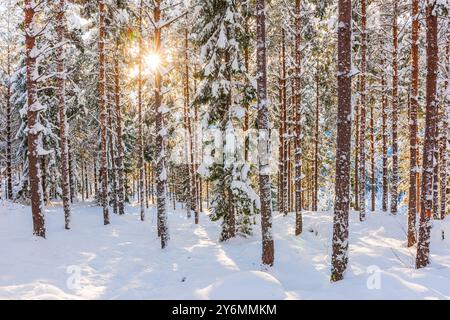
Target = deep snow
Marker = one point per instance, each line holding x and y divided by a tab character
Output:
124	260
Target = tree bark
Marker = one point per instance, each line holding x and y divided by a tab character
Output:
9	193
140	122
285	126
103	113
34	135
385	186
357	155
423	244
112	157
316	145
119	159
264	138
362	138
394	182
413	164
298	146
444	135
341	208
161	173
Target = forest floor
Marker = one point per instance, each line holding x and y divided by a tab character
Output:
124	260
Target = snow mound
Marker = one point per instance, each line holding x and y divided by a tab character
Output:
250	285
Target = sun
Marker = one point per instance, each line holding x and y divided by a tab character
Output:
153	61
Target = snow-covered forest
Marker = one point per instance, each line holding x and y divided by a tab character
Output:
224	149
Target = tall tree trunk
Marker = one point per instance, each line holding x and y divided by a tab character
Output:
298	146
444	134
413	164
82	180
280	195
372	158
385	187
71	177
86	182
362	138
264	138
119	159
193	193
341	208
247	104
423	244
44	179
103	112
112	157
316	145
284	177
161	173
95	177
357	155
140	122
394	182
34	135
9	193
436	170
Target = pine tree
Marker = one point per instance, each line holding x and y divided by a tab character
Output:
223	88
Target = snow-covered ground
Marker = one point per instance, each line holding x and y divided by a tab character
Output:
124	260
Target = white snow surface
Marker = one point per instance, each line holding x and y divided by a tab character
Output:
124	260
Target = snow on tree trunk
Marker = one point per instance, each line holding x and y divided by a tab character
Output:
444	132
341	207
298	140
140	122
357	155
9	193
394	181
111	156
316	144
413	127
426	201
192	185
385	187
63	129
362	138
103	112
264	138
161	173
372	158
119	159
34	126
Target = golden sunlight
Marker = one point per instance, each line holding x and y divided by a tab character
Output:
152	60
